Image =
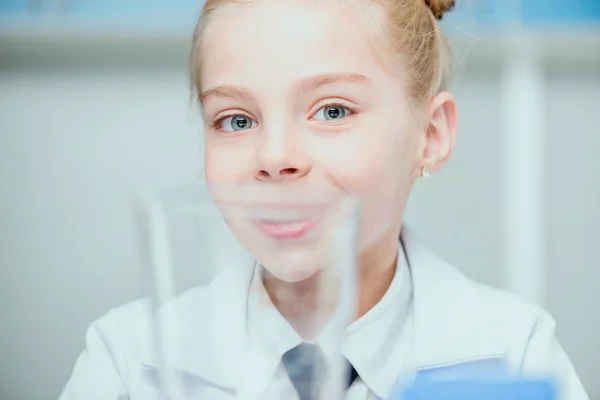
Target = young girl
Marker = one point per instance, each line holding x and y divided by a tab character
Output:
331	96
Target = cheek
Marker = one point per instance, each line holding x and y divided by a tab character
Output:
379	175
372	161
378	170
222	164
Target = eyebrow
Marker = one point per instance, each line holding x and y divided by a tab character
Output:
319	81
305	85
226	91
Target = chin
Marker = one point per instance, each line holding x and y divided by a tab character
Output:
291	266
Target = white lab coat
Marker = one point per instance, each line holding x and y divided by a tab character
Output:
456	323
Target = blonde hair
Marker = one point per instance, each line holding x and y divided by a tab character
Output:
410	27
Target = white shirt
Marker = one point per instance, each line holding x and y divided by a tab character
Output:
452	327
376	344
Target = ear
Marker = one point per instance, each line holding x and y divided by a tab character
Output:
440	132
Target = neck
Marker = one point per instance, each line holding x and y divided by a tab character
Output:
307	305
377	267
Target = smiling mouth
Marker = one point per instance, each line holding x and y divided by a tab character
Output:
285	230
279	221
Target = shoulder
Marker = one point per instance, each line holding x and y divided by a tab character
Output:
460	324
129	333
119	351
513	318
477	321
129	330
134	323
434	275
506	311
122	347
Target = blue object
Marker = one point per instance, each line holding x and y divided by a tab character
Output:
135	8
9	7
529	12
478	390
485	12
536	11
490	368
103	10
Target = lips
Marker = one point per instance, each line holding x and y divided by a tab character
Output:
282	230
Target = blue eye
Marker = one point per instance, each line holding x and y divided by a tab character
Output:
235	123
331	112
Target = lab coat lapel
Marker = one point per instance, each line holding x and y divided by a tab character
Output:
443	310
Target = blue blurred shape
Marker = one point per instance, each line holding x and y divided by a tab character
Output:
496	12
536	11
478	390
14	6
490	368
134	8
105	9
529	12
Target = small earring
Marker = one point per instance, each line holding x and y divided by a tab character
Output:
425	172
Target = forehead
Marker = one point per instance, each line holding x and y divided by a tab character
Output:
276	42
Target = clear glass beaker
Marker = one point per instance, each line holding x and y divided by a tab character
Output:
238	272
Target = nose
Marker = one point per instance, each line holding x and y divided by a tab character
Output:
281	159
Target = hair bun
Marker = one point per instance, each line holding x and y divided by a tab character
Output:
439	7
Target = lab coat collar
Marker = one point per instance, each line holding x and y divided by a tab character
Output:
443	310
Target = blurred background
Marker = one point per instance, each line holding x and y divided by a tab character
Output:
95	106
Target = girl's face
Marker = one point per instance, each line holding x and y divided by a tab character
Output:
300	110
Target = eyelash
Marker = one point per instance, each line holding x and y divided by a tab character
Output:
336	104
215	124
